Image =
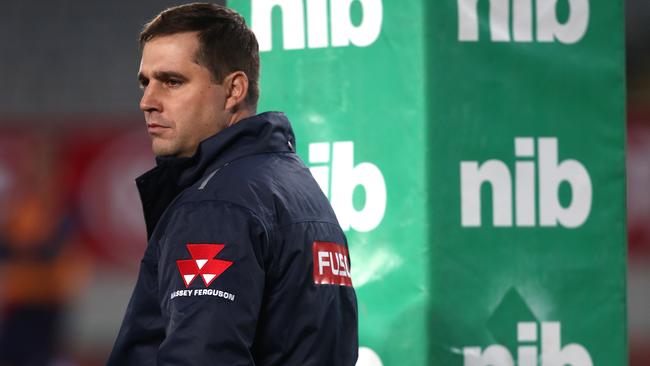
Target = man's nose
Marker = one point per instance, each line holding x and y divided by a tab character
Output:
150	101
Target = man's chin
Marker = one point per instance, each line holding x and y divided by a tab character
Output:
169	151
163	151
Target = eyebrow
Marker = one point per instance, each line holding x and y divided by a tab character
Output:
162	75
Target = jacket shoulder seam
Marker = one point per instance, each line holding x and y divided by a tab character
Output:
231	203
308	221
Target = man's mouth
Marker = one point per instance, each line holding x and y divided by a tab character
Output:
154	128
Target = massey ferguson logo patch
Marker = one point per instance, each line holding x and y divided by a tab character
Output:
331	264
205	266
202	264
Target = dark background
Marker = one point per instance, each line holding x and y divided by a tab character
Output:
72	139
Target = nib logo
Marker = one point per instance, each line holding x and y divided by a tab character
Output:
202	263
524	340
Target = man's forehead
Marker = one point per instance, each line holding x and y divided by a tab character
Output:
168	50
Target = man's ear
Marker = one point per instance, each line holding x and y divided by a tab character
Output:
236	85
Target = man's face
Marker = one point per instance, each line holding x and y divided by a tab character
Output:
182	105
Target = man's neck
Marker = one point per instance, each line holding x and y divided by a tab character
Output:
239	115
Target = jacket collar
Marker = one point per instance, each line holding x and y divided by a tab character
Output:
268	132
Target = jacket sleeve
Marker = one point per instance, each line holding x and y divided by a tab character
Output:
211	283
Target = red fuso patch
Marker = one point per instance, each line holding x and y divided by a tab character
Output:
331	264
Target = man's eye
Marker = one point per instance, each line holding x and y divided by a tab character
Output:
173	83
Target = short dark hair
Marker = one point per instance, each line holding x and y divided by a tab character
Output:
226	44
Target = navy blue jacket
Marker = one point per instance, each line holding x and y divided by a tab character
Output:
246	263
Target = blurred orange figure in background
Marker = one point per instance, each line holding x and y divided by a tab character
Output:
42	264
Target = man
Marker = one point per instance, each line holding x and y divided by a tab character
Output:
246	263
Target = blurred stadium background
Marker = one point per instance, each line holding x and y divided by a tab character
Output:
72	140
